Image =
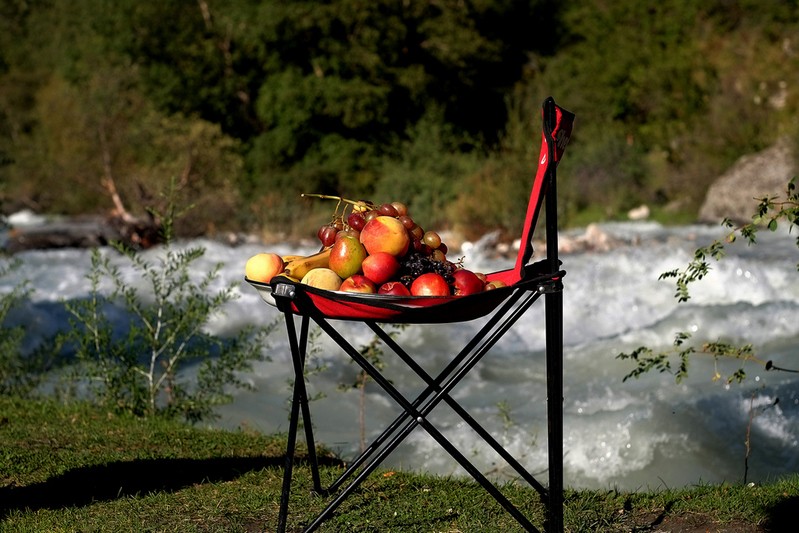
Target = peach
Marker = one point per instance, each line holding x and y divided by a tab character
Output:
385	234
496	284
263	267
322	278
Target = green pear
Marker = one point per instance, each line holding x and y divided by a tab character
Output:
346	256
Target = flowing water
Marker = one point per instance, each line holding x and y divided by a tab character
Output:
643	433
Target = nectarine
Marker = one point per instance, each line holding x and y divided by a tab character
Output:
263	267
385	234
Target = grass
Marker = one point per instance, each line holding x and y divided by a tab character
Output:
80	468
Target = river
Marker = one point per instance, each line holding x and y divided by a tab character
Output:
644	433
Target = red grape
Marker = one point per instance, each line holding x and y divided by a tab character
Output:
356	221
401	208
407	221
432	239
327	235
388	210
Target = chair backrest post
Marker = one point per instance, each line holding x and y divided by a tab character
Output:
557	127
551	210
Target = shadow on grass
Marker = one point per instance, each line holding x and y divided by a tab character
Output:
83	486
782	517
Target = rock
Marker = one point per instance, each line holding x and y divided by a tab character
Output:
638	213
593	239
735	194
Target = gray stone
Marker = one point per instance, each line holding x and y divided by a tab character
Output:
736	193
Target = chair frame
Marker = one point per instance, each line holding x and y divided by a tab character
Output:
543	278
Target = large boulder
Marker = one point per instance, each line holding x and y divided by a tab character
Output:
736	193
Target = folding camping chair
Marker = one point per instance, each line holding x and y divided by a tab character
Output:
525	285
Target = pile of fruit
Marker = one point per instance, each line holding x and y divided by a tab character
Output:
376	249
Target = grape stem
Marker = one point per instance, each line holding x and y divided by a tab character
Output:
358	203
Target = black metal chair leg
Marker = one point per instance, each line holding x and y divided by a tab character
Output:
299	403
391	428
434	386
554	327
418	417
306	411
292	435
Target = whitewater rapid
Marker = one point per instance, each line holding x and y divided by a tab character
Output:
641	433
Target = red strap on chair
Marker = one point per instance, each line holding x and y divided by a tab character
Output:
555	136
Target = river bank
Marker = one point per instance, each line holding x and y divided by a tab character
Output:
81	468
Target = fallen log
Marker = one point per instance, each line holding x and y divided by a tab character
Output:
83	232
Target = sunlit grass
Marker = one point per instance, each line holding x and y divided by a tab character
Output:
77	468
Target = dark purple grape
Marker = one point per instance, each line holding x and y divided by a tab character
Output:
327	235
388	210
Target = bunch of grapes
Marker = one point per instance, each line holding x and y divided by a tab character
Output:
426	252
360	212
415	264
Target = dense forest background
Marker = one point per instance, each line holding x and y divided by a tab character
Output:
244	104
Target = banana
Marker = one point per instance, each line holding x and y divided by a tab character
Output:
297	268
289	258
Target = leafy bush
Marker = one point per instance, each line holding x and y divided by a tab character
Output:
14	372
165	363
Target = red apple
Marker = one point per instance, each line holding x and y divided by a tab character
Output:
394	288
358	283
346	256
466	282
385	234
263	267
430	284
380	267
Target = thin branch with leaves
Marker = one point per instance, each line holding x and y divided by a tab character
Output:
770	213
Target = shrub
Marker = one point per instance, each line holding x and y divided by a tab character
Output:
165	363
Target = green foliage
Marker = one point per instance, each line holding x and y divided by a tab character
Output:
429	173
770	212
20	373
165	363
667	96
251	103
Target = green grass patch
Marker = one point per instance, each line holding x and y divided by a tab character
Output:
79	468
